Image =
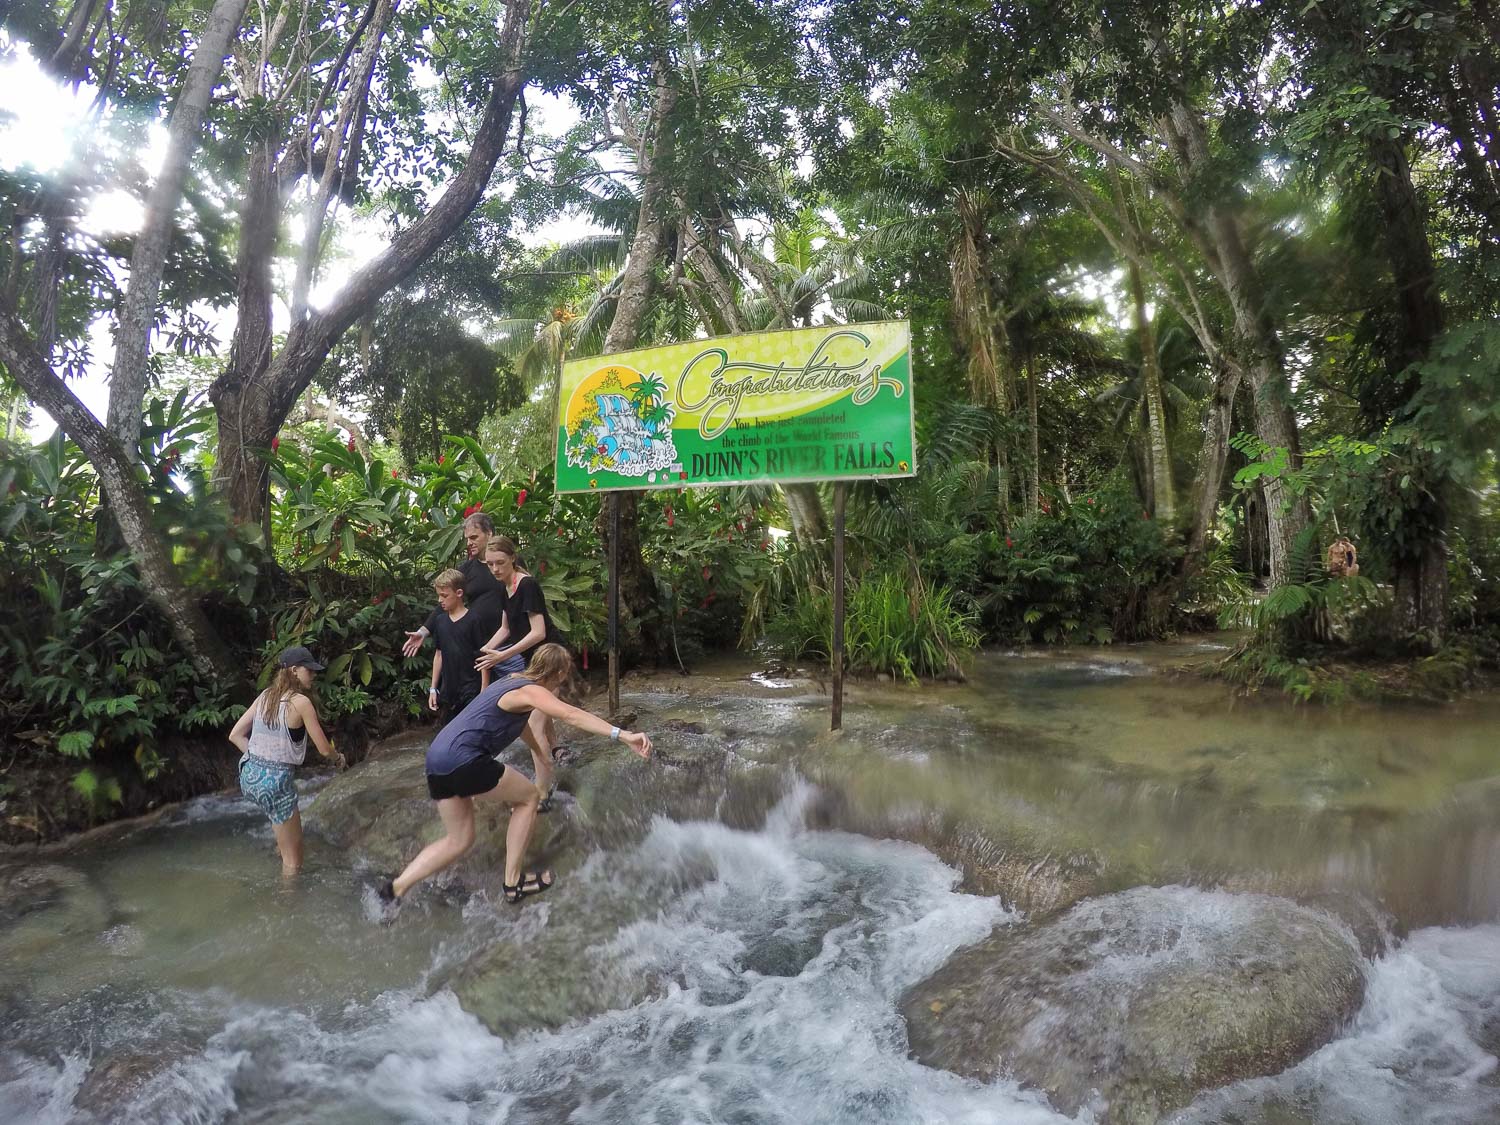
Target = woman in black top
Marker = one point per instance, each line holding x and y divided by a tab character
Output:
524	627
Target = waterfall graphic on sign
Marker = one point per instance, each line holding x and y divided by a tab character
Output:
620	421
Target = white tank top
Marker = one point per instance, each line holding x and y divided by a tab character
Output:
275	744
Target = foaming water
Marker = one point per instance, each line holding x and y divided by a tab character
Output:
1421	1050
773	959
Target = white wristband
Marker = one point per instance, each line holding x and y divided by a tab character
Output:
614	733
432	691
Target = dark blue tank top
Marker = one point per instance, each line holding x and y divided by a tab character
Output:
480	730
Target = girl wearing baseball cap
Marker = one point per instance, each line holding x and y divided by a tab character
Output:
272	735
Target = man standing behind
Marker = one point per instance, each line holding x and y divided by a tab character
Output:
481	589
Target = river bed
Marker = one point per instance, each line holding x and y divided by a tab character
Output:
740	953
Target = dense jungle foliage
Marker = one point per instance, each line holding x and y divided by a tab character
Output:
1194	289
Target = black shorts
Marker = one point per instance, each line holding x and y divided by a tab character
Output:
479	776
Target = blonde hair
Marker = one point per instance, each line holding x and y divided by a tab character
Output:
284	686
504	544
450	579
552	667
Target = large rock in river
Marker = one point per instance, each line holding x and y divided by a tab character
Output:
1133	1003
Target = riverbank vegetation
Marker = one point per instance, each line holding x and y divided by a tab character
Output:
1193	289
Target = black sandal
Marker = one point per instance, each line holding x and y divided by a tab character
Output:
531	883
546	803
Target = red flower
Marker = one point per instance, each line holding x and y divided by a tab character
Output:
765	544
541	567
706	573
275	444
442	457
520	497
395	475
351	445
585	658
601	449
1091	501
561	532
1009	542
377	599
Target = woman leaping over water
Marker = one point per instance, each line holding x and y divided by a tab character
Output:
461	768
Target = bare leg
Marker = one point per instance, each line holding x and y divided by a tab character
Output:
289	843
458	819
538	736
522	797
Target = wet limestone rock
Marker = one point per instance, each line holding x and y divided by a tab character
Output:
1133	1003
44	902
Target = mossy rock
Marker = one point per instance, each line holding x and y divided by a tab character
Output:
1131	1004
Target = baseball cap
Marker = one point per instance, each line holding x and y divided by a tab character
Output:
299	657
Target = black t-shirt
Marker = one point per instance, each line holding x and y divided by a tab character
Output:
519	607
483	594
459	642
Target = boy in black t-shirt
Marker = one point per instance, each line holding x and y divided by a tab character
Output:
455	681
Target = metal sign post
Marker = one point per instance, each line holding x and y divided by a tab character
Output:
614	603
839	488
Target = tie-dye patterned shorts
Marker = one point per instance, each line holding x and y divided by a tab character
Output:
269	785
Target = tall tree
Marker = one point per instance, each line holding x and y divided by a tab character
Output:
261	383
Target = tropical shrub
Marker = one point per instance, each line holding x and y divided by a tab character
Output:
91	673
1095	570
890	627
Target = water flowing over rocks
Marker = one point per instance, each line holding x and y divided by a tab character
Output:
1131	1004
44	903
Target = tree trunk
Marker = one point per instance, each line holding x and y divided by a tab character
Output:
127	378
805	506
804	503
257	391
1218	421
1256	343
1159	455
975	320
1421	593
1034	496
637	583
132	511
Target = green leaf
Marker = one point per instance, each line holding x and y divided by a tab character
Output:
76	743
366	670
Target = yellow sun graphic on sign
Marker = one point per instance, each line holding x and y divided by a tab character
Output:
583	403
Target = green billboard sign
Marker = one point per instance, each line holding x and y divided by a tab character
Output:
806	404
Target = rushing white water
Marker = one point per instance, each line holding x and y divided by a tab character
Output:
1420	1052
780	964
749	977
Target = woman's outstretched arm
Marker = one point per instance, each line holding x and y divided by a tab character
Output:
534	697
